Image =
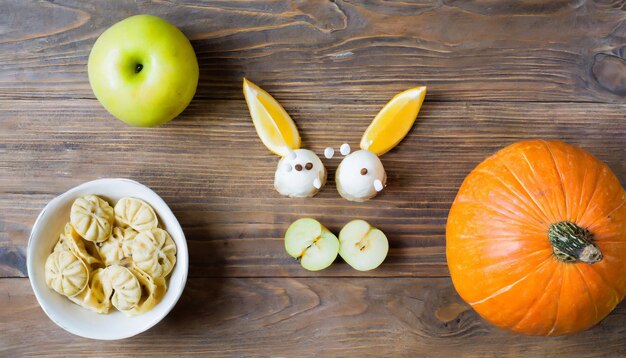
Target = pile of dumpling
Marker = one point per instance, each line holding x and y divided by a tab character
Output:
112	256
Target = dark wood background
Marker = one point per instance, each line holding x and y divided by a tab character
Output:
497	72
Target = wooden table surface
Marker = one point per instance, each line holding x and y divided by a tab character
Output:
497	72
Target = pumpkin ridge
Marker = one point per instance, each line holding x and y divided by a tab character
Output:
547	251
612	243
534	213
471	242
592	225
581	197
551	208
510	286
532	198
507	214
530	253
596	211
500	237
618	296
604	242
558	174
583	213
558	300
584	281
537	300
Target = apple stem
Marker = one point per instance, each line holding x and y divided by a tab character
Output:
138	68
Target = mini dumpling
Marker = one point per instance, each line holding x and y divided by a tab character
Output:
111	250
66	273
135	213
124	286
153	251
85	250
152	291
96	295
92	218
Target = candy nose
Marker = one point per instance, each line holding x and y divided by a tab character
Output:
317	183
378	185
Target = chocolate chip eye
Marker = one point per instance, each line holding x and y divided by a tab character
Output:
298	167
363	171
309	166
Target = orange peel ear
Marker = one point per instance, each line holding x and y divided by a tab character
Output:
273	124
394	121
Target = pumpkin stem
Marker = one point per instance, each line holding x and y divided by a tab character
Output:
572	243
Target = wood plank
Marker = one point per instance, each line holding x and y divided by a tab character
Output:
463	50
305	317
497	72
217	177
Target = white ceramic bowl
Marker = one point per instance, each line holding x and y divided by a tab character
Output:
81	321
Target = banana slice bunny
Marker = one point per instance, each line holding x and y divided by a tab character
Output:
361	175
300	172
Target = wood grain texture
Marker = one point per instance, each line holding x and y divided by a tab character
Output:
497	72
211	168
287	317
562	50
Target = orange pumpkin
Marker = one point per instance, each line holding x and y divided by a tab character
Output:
536	239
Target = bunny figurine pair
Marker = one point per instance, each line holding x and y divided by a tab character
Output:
301	173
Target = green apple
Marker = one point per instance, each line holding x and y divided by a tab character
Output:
362	246
311	243
143	70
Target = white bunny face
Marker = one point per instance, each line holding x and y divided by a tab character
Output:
300	174
360	176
